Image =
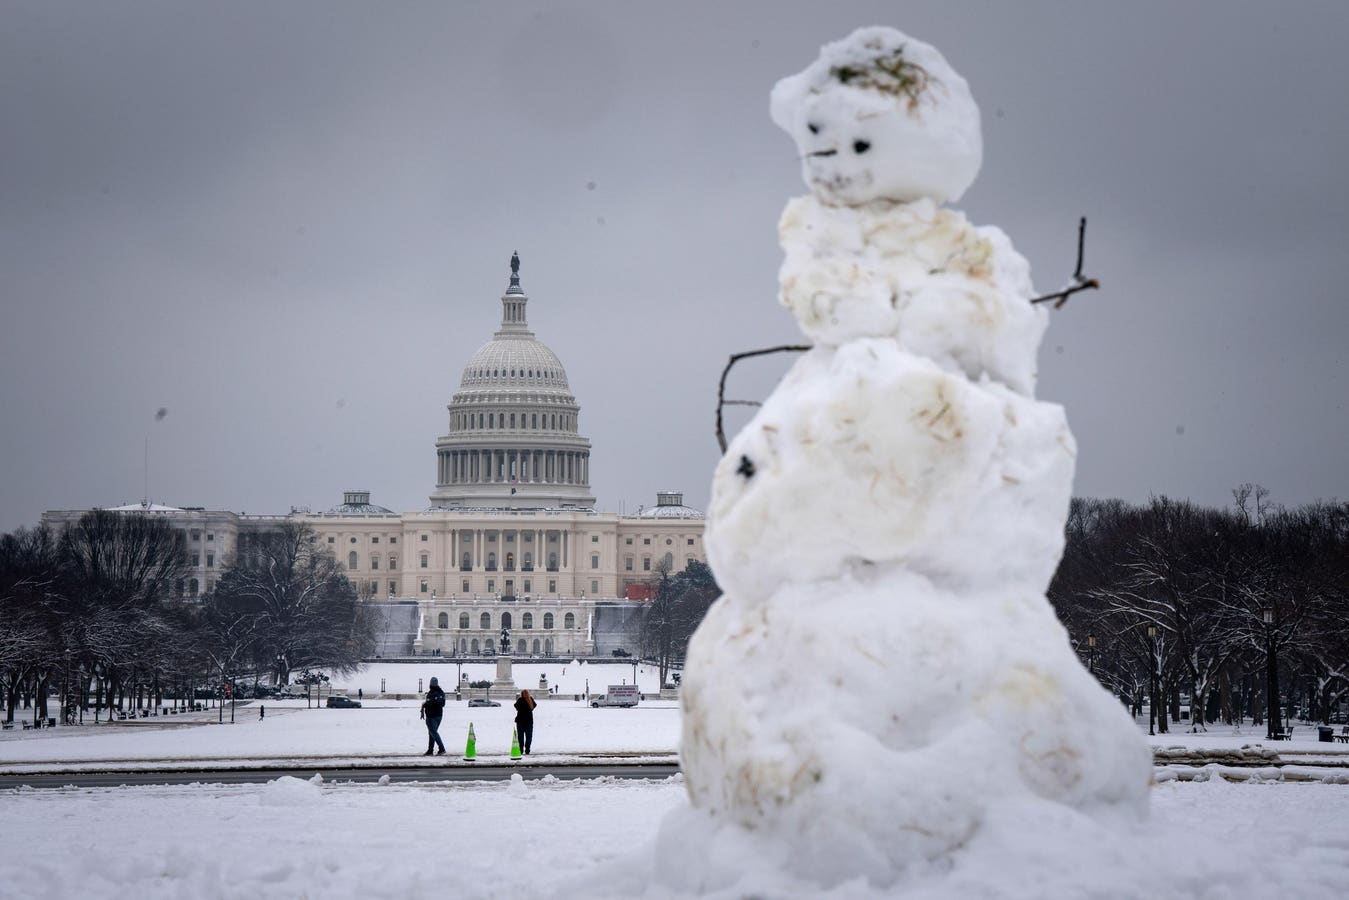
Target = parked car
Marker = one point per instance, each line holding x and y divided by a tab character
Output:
343	703
621	653
482	701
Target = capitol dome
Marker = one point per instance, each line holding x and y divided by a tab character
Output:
513	441
357	503
513	361
670	505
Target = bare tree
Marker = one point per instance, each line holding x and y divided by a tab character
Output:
306	611
678	608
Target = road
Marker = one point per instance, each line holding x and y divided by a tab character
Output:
490	772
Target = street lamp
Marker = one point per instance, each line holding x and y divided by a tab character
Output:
66	717
98	690
1273	720
1091	653
1152	678
220	693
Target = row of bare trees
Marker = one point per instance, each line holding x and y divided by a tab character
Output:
94	612
1172	601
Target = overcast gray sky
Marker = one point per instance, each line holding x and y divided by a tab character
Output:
289	224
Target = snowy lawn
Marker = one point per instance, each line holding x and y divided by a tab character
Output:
289	838
388	731
1228	737
382	730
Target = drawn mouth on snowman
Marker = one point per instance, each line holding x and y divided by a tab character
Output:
838	182
823	153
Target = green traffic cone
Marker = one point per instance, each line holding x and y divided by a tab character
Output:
515	744
471	748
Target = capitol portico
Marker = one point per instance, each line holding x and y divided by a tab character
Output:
510	538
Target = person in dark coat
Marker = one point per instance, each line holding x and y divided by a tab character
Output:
524	720
433	707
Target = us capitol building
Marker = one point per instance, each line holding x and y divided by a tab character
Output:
510	539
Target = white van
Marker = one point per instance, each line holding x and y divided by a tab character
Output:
617	695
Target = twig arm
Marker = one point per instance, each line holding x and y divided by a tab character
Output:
1079	282
730	363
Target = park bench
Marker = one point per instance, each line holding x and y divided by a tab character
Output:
1283	735
1343	736
27	726
7	726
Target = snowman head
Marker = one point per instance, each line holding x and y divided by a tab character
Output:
881	116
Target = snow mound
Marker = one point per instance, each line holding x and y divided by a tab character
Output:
289	791
385	779
517	784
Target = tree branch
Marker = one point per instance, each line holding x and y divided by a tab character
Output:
1079	282
721	385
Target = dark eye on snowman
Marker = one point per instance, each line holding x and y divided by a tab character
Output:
814	129
861	146
746	468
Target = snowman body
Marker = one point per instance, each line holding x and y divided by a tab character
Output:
886	526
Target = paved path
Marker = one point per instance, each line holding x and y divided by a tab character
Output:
463	772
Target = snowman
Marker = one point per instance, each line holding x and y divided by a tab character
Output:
884	681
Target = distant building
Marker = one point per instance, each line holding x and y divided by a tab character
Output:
510	539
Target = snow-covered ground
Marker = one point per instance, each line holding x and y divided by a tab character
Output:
599	838
386	730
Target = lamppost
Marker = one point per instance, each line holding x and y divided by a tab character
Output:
220	693
1152	677
1273	717
98	690
65	690
1091	654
